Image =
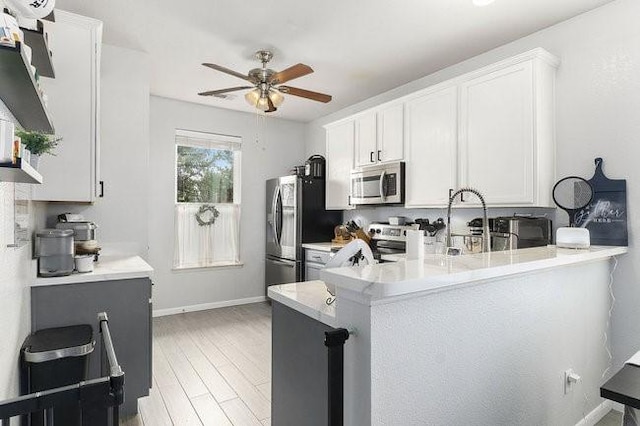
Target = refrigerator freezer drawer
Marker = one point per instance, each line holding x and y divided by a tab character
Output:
282	271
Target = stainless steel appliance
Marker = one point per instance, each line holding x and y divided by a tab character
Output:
54	250
389	239
84	234
513	232
295	215
380	184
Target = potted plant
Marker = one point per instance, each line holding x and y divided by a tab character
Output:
38	144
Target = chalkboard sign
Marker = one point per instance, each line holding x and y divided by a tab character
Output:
606	216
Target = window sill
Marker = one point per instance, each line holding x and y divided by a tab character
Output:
221	265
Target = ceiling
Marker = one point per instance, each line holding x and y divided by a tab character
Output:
357	48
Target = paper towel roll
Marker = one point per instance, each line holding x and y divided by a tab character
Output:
415	244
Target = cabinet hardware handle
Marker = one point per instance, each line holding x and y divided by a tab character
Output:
379	155
371	157
450	192
101	189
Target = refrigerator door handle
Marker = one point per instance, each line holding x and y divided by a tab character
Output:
276	213
291	264
279	216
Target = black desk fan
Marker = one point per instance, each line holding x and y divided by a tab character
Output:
572	194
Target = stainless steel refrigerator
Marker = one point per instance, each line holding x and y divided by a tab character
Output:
295	215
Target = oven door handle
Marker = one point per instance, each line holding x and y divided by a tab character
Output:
383	191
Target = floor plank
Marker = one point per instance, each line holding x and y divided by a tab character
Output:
239	414
265	390
210	413
249	394
152	409
210	368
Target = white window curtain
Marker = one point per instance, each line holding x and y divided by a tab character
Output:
216	244
200	246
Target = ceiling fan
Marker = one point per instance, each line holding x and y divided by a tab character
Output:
267	84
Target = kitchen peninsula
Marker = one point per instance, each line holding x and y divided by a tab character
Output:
474	339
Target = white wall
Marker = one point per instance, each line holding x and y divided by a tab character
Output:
279	148
16	271
124	155
492	353
598	97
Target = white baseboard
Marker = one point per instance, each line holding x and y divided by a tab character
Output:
597	413
207	306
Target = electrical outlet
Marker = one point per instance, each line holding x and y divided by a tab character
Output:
570	380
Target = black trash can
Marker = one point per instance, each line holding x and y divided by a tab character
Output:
56	357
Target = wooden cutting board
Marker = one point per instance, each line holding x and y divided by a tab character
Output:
606	216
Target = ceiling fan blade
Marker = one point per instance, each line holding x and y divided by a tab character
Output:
290	73
315	96
221	91
227	71
272	107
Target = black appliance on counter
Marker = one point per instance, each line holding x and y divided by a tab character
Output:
296	214
314	167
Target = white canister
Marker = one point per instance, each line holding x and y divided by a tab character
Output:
84	263
415	244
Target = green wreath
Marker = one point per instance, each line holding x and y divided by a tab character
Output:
207	215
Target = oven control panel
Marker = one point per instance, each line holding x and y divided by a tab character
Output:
384	231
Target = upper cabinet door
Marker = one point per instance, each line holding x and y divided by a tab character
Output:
391	133
366	140
497	135
340	143
71	175
432	136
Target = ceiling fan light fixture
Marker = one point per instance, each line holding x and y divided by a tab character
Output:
276	97
253	97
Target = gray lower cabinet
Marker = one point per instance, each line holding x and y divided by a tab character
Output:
299	369
127	304
314	261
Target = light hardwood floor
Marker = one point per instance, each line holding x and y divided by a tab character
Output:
210	368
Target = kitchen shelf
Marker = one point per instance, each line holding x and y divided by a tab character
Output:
18	90
21	172
41	57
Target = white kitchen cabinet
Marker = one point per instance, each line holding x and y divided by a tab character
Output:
391	133
491	129
380	135
507	148
366	144
340	162
72	175
431	124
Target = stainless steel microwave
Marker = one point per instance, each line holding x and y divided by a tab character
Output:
379	184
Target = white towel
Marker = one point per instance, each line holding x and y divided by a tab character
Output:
630	418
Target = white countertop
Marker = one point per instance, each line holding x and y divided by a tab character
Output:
438	272
322	246
309	298
107	268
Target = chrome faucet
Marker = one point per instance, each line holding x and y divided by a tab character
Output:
486	235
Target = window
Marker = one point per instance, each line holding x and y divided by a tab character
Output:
207	200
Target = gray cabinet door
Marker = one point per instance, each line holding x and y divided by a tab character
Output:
126	303
312	271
